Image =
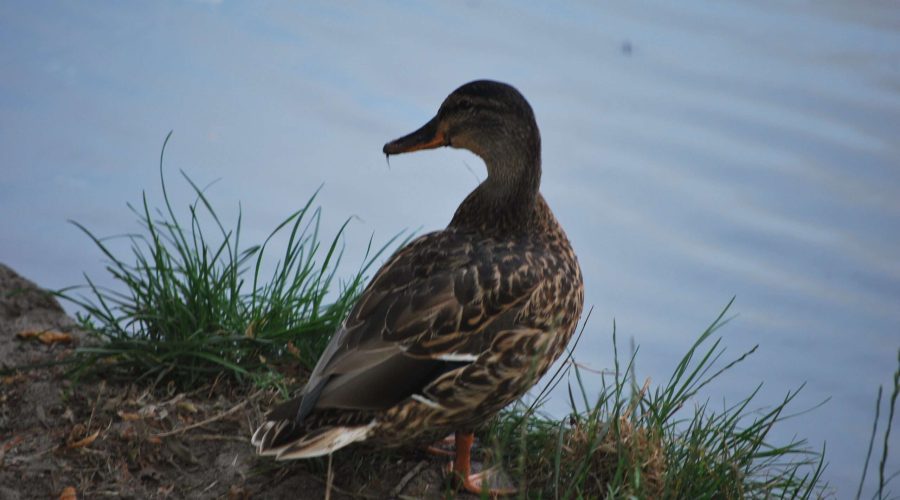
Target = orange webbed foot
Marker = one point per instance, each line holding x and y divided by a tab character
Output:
491	481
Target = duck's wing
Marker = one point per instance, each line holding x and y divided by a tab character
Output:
433	307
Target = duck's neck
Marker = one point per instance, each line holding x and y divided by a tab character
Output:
505	202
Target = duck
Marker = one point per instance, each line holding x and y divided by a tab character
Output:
458	323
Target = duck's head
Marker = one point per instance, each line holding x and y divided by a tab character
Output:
490	119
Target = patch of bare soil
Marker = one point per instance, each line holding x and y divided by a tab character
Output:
111	438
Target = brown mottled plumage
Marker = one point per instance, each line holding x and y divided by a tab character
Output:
459	322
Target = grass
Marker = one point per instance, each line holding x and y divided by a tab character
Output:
191	304
884	477
637	441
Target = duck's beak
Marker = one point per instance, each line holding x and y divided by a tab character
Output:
430	136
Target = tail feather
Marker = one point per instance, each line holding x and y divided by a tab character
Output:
265	437
272	438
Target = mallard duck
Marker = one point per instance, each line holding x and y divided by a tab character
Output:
459	322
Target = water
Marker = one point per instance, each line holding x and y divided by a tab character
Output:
693	153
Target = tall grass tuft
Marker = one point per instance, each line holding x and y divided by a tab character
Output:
637	441
192	304
884	478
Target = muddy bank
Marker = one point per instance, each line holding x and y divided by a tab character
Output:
111	438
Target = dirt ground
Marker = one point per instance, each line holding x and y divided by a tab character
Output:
105	438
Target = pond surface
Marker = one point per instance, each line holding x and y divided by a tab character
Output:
693	153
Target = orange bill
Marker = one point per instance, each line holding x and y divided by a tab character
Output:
427	137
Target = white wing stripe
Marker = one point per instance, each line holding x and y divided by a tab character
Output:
458	357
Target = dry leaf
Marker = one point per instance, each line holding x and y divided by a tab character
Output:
237	493
14	379
46	336
154	440
153	411
128	416
68	493
187	406
81	443
293	349
12	443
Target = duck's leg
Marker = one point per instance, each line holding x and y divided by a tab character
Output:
442	448
488	481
